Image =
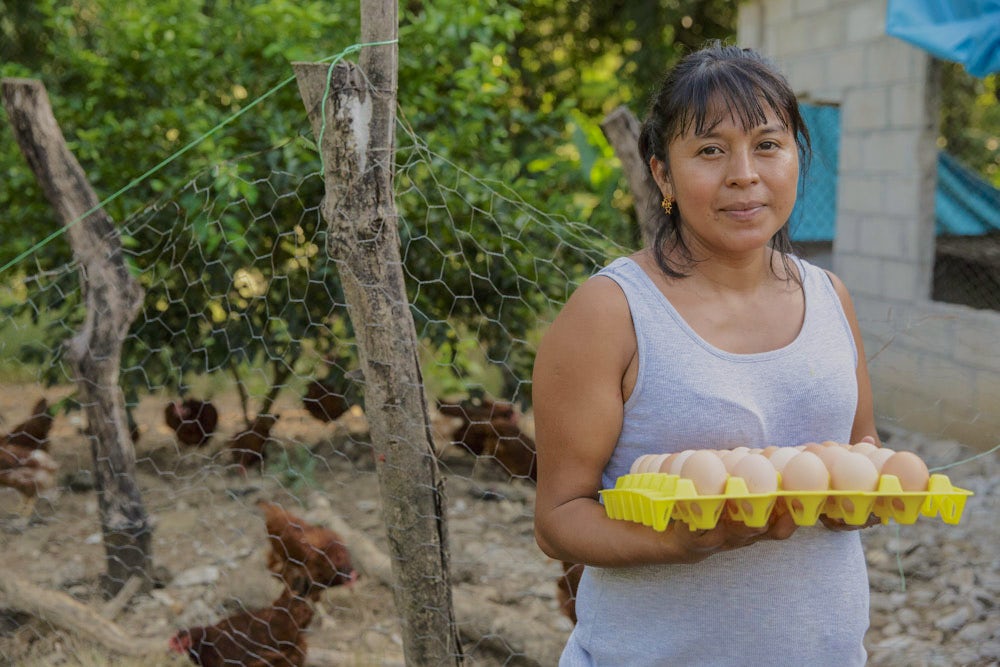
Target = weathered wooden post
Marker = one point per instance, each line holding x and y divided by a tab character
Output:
621	128
352	110
113	297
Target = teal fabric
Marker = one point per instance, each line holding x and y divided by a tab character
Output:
962	31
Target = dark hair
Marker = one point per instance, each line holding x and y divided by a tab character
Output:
744	81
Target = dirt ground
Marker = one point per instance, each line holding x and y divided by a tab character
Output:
209	543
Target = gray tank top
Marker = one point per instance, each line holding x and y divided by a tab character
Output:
802	602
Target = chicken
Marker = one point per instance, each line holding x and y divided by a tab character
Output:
323	402
491	429
472	432
513	449
193	421
34	431
28	470
566	587
248	448
274	636
307	558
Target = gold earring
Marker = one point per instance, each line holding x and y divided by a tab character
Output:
667	204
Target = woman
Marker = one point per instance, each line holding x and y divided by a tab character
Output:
716	337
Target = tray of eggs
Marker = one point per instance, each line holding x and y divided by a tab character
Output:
842	481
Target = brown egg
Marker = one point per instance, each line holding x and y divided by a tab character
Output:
706	471
909	468
758	473
805	472
656	462
781	457
880	456
863	447
667	462
730	459
678	461
639	464
830	454
770	449
853	472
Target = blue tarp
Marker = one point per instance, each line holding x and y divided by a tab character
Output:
816	209
966	204
962	31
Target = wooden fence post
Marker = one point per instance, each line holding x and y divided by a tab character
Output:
353	115
113	297
621	128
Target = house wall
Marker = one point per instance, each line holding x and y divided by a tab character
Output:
935	367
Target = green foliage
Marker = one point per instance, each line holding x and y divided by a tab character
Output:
499	149
970	119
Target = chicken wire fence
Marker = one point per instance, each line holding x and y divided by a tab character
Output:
244	398
245	401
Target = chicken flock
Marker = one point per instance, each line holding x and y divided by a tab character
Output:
307	559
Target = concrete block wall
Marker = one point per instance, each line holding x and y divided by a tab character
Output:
935	367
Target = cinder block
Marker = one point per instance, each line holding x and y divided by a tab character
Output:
805	73
906	105
865	109
860	274
862	194
750	24
846	68
900	280
887	61
811	6
865	21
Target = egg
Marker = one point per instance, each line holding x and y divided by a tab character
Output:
667	462
909	468
678	461
805	472
758	473
880	456
864	447
769	450
830	453
706	471
781	457
656	462
852	471
730	459
639	464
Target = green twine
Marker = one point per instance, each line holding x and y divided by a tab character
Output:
333	62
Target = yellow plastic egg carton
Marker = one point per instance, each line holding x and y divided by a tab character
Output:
654	499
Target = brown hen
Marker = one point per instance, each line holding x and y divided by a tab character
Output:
306	557
34	431
192	421
30	471
248	448
274	636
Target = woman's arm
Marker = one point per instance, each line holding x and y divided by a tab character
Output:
864	415
578	401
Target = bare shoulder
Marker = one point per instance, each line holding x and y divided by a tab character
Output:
597	309
593	333
840	288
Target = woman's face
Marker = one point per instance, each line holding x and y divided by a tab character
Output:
733	188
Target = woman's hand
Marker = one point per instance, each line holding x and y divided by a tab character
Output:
730	534
840	525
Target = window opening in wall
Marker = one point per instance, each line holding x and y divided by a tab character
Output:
813	221
967	200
